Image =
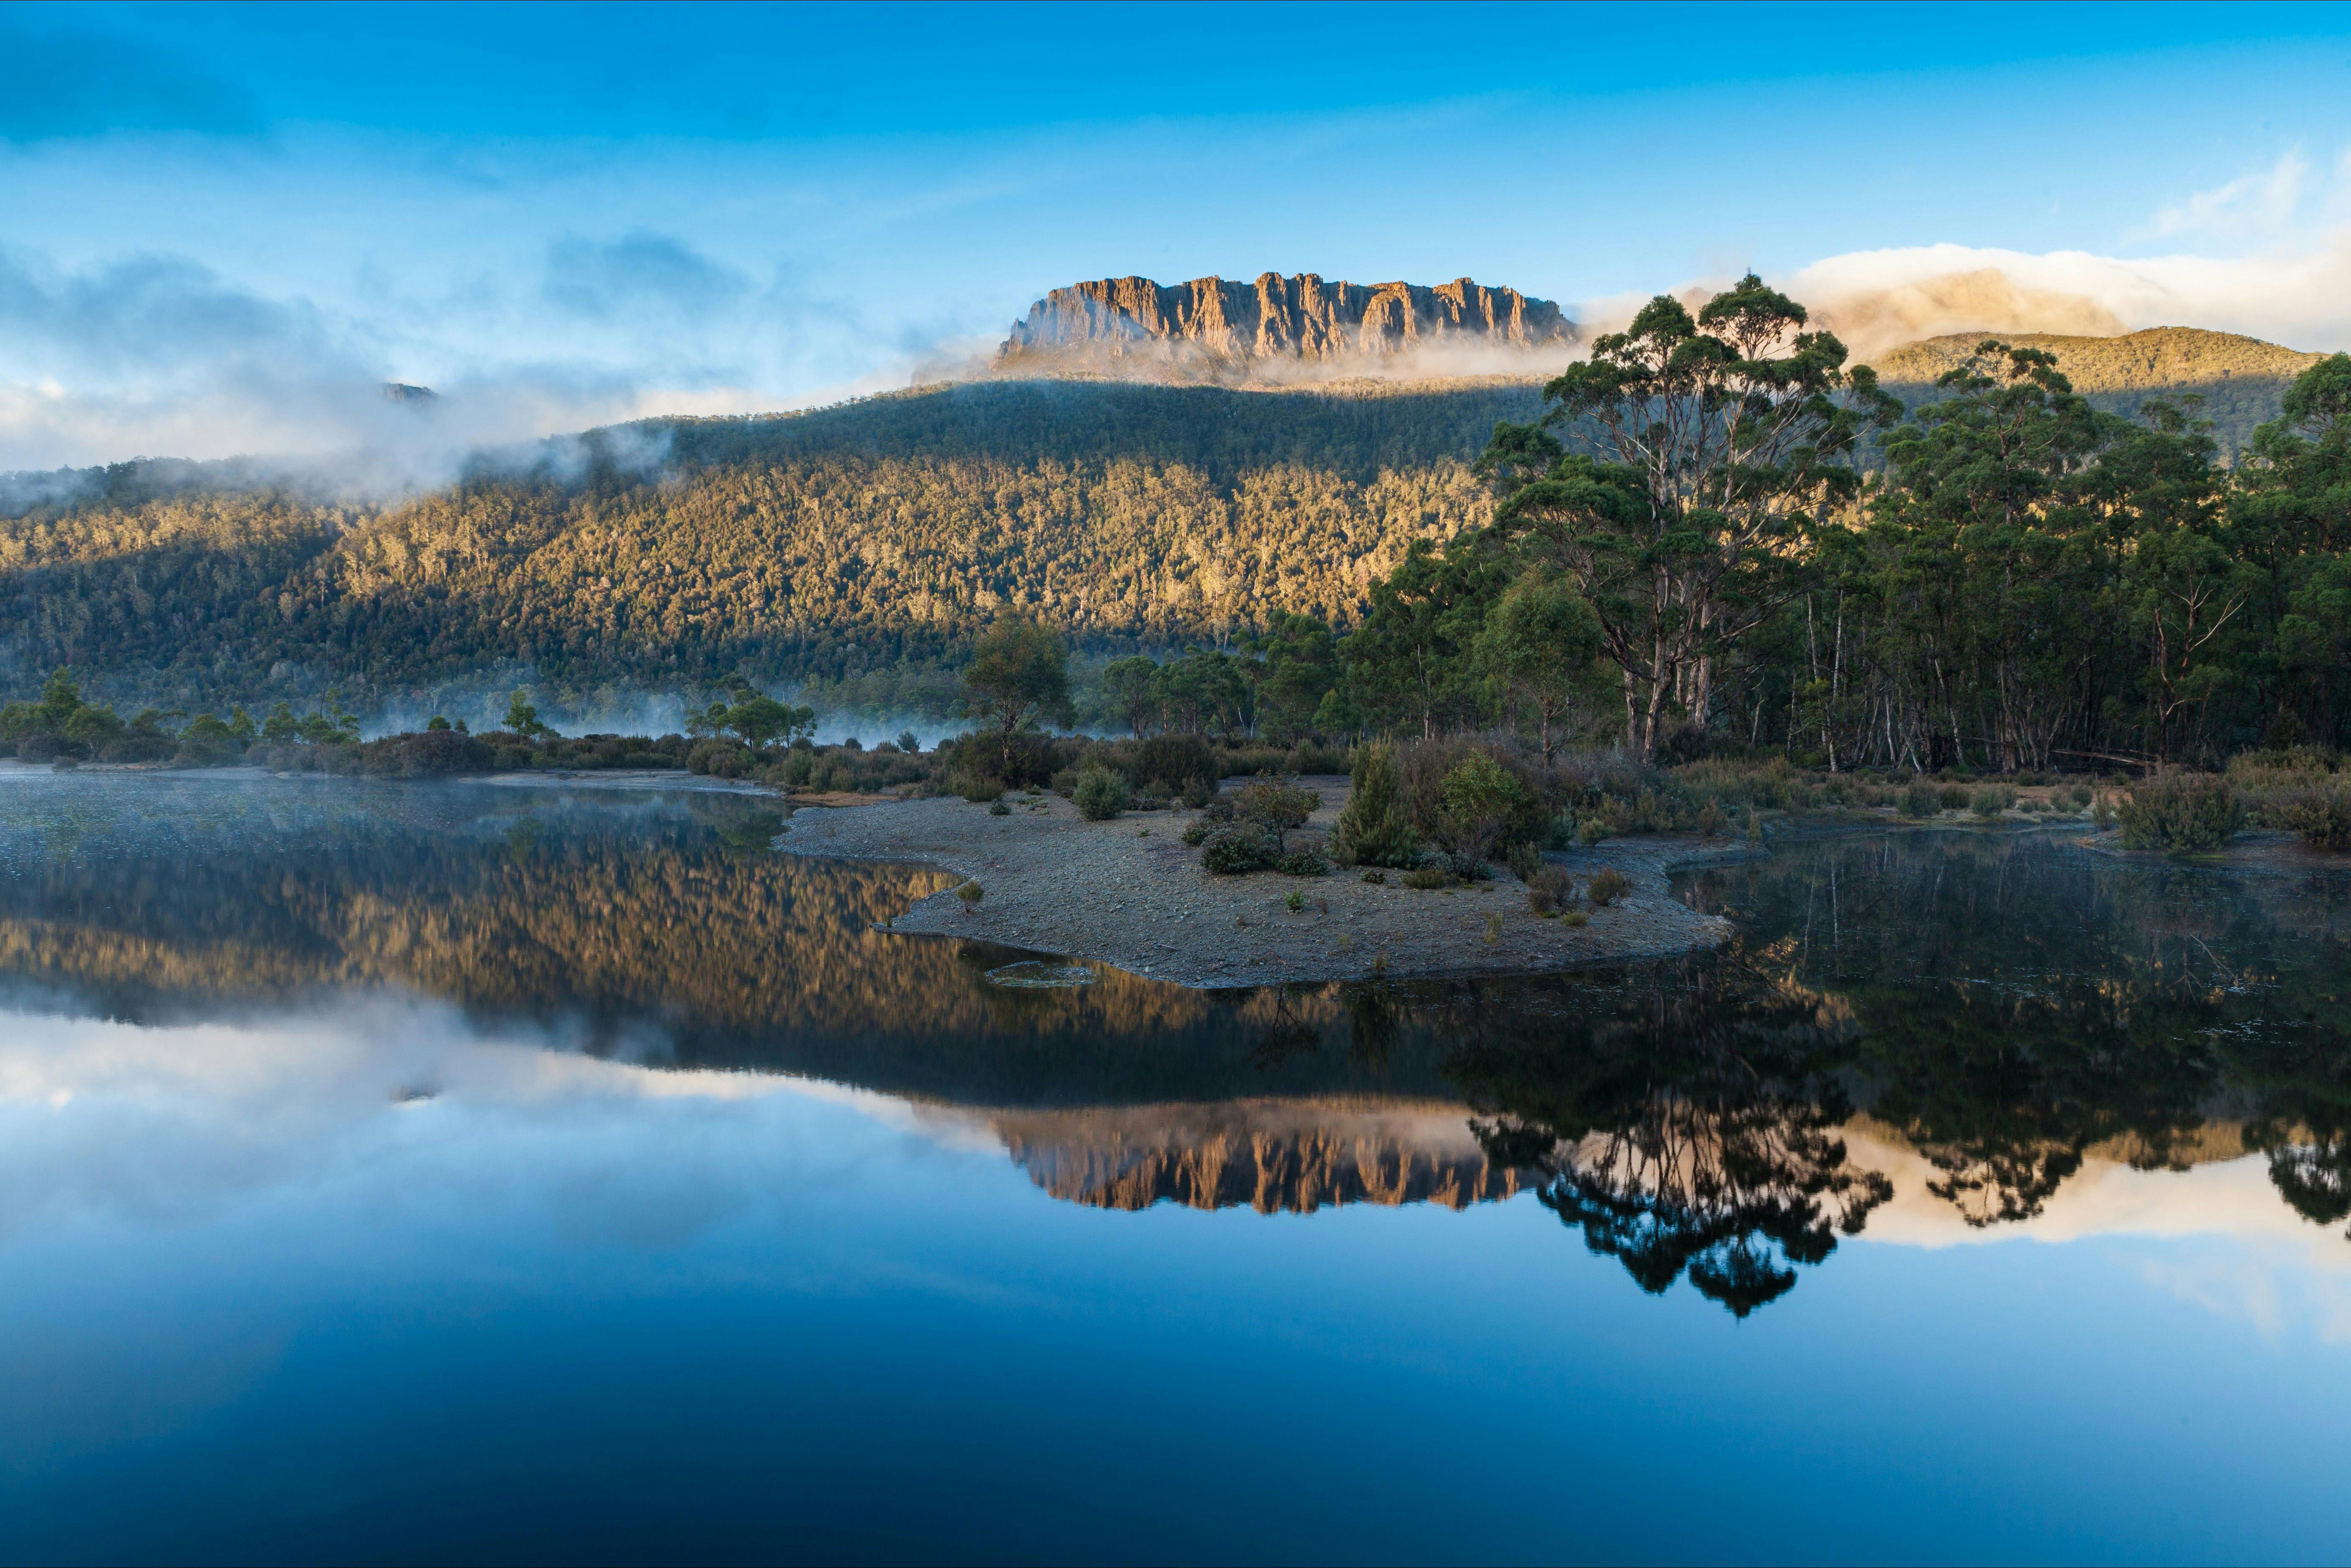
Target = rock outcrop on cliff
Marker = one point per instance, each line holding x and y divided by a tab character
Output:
1276	1156
1215	328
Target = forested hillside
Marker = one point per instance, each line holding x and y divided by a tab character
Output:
858	550
2239	381
820	546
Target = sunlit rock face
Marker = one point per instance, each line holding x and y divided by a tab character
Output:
1274	1156
1124	323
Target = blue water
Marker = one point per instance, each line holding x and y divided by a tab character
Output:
358	1203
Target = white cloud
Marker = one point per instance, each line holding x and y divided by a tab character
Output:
2260	201
2297	295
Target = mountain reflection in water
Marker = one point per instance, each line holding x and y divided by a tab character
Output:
2009	1011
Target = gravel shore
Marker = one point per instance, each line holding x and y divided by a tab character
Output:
1128	892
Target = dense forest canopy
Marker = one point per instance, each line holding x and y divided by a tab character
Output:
1990	569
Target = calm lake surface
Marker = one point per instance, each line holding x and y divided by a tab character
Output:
441	1173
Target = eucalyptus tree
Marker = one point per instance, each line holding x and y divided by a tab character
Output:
1995	589
1408	662
1539	644
1711	447
1019	672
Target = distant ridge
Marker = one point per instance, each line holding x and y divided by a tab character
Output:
2168	359
2241	379
1211	326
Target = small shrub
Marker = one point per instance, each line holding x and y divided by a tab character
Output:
977	788
1711	820
1303	862
1295	902
2081	795
1376	878
1236	851
1549	891
2181	813
1375	828
1589	831
971	892
1426	879
1608	885
1493	929
997	808
2321	813
1573	917
1919	799
1274	808
1526	862
1099	794
1952	797
1480	798
1992	800
1195	832
1177	761
1196	793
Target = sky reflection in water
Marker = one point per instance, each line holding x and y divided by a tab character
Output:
416	1173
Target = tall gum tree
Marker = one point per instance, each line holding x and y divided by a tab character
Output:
1712	446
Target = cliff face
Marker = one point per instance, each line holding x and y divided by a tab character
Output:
1276	1156
1132	322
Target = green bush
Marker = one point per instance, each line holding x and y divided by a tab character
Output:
1196	831
1174	762
1237	850
2181	813
1373	827
1919	799
1608	885
1992	800
1099	794
1277	809
977	788
1481	798
1427	878
1303	862
1952	797
1549	891
434	753
2320	813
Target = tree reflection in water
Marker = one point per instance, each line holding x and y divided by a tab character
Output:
2007	1007
1686	1123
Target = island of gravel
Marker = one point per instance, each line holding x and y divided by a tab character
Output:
1128	892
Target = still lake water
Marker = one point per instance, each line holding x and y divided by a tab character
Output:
422	1173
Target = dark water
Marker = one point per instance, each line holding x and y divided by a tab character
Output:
437	1174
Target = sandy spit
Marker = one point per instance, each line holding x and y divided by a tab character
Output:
1129	893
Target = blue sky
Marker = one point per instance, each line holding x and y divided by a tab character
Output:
221	226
